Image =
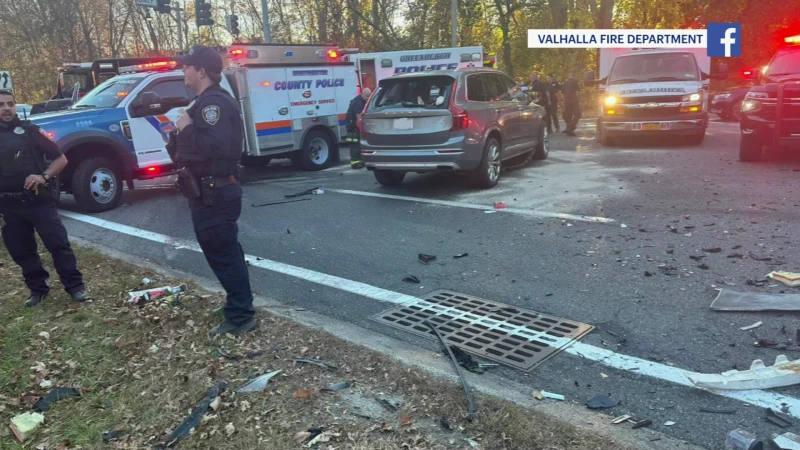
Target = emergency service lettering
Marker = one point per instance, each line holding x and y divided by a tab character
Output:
409	69
308	84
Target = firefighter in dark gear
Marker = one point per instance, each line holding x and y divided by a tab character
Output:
353	136
554	89
572	104
208	148
27	204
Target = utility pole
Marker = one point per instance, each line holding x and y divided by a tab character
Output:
454	23
265	19
178	11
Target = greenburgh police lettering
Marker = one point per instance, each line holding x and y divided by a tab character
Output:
308	84
424	67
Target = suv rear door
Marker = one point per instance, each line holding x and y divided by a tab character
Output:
506	113
529	120
408	112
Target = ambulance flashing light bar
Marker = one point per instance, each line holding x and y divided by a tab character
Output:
149	67
239	53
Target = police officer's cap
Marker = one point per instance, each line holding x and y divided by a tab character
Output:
202	56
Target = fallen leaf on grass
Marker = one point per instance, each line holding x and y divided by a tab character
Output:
322	437
387	427
44	334
230	429
301	395
405	420
301	436
215	404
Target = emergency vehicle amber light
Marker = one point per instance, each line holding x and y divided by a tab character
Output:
237	52
122	94
266	84
156	65
333	54
792	39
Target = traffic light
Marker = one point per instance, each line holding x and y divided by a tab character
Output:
162	6
232	24
203	13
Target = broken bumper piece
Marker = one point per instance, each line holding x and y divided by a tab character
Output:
759	376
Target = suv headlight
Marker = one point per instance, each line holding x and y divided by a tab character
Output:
756	95
610	100
752	101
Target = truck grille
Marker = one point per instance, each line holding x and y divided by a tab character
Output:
651	99
650	113
787	111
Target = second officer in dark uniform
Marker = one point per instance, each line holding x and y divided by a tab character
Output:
27	204
208	147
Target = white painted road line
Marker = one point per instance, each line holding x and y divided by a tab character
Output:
525	212
760	398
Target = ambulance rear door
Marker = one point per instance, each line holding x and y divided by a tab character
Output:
344	94
270	106
312	97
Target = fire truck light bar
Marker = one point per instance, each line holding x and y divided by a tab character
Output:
792	39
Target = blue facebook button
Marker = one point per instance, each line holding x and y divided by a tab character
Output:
724	39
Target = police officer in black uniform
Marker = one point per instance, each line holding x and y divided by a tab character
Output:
27	204
208	147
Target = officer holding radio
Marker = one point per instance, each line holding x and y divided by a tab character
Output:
27	204
208	148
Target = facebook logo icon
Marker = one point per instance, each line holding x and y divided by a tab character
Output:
724	39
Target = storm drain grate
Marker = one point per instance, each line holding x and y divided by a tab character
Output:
516	337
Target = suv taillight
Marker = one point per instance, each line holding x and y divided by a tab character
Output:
460	116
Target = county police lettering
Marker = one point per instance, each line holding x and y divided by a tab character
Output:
208	148
27	205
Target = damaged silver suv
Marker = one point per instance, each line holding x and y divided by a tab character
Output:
467	120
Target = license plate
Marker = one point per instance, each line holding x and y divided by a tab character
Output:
404	124
651	126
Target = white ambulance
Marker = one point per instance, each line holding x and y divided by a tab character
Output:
374	67
293	98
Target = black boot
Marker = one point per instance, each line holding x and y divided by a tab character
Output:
35	299
230	328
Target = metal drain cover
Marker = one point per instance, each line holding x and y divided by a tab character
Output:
516	337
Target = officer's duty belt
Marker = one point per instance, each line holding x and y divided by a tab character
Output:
224	181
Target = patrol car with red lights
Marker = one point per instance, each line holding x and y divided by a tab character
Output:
294	99
770	114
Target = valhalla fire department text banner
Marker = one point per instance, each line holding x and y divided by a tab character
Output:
617	38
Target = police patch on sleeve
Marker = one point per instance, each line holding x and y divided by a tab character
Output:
211	114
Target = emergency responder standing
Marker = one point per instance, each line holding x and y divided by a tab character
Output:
27	204
353	136
208	148
536	85
554	89
572	104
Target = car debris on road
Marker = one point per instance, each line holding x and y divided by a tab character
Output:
783	373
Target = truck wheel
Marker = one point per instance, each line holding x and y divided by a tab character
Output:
602	136
697	139
96	185
317	152
389	177
750	147
487	174
255	161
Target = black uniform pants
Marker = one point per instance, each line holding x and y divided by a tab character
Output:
552	115
217	233
572	114
21	221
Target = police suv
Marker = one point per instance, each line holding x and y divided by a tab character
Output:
294	99
770	113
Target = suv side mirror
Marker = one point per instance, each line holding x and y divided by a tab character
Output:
148	104
588	78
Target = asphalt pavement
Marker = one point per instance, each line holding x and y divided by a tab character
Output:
600	235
